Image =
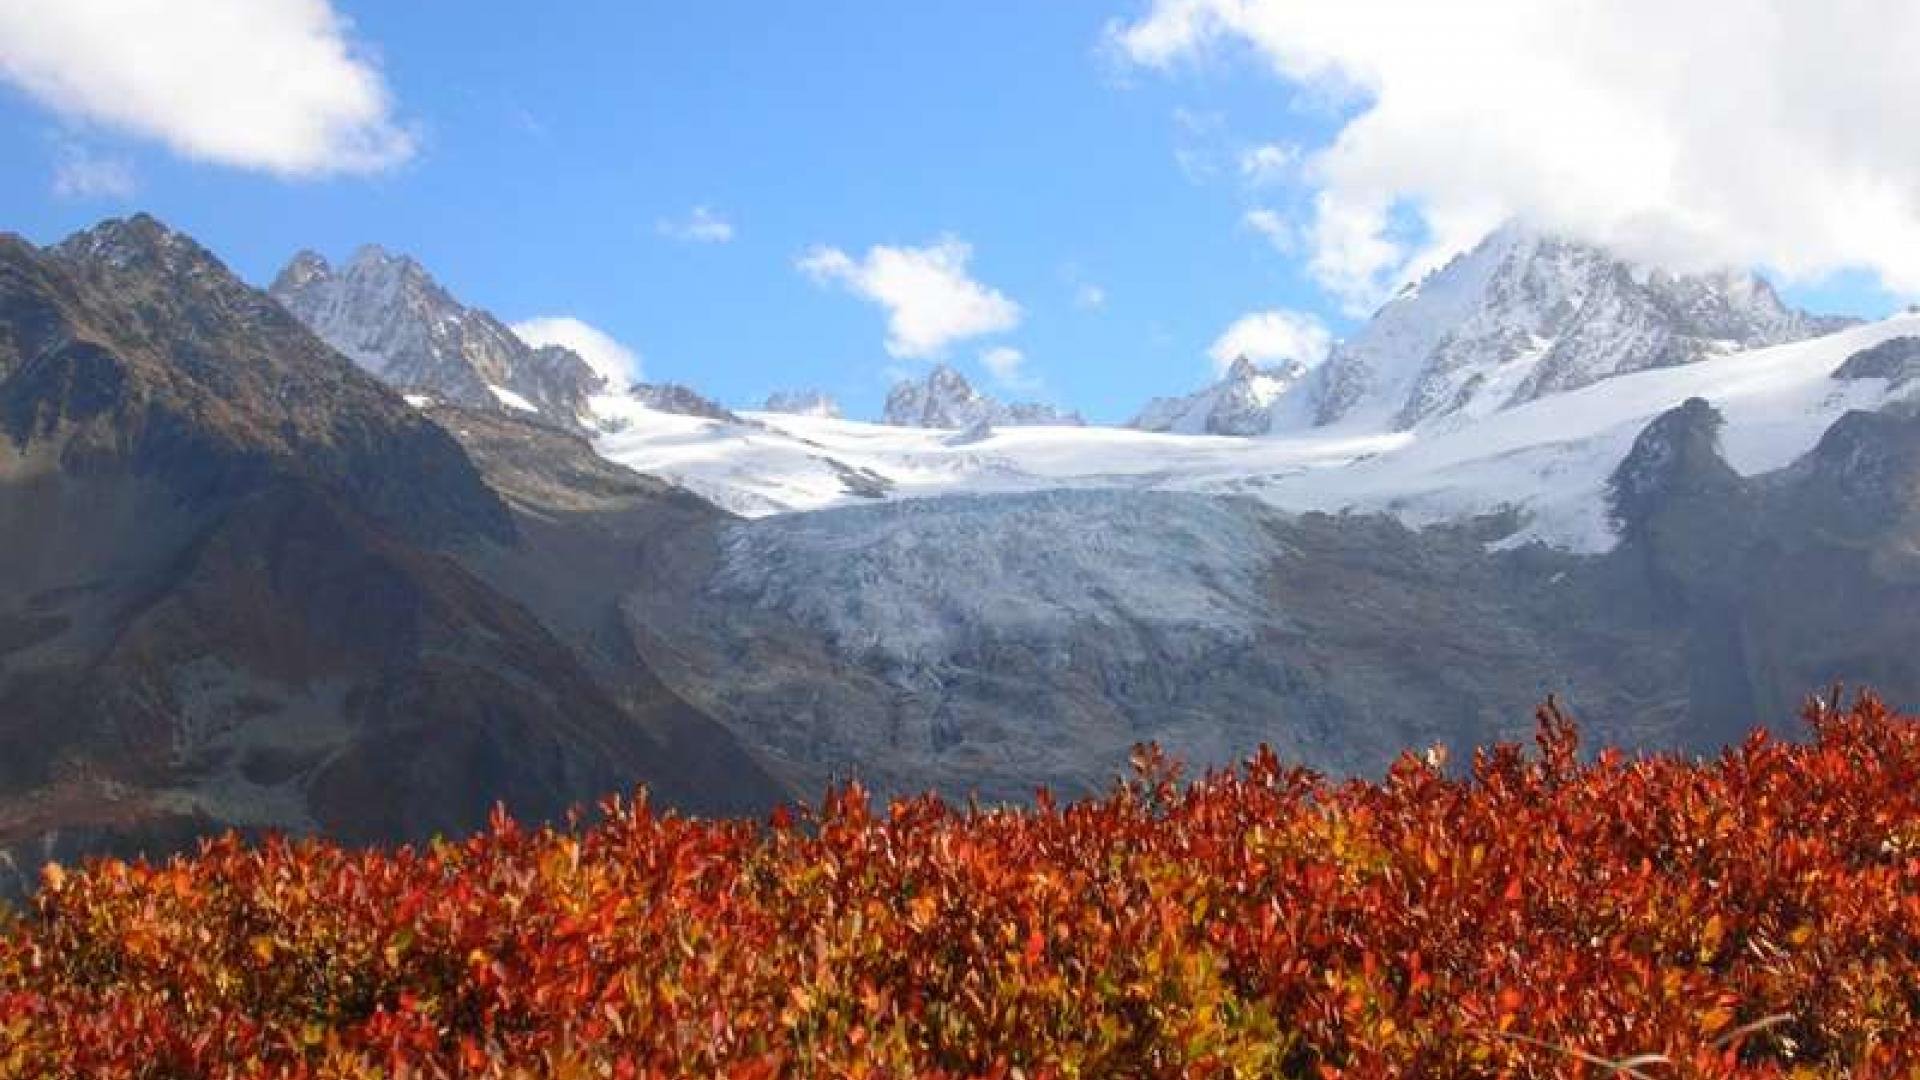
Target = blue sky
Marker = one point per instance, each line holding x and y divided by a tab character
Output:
553	166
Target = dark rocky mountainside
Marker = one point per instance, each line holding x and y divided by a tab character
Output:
248	585
1896	360
1794	580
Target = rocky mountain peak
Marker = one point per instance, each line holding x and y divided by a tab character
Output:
141	243
1243	402
1524	315
1677	456
681	400
945	399
803	403
388	314
303	271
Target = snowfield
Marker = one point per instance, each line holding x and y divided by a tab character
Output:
1548	459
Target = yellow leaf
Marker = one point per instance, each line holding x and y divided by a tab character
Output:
1710	937
922	910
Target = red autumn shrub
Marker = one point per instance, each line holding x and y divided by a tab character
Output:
1753	915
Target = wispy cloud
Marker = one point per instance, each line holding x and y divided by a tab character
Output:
1268	163
1087	295
702	226
1008	366
82	173
1273	227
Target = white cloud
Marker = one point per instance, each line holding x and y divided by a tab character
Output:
80	173
275	85
703	226
1199	144
1089	297
1779	133
1267	163
931	299
1267	336
1268	223
615	362
1008	366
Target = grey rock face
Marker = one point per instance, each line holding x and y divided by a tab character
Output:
1523	316
1866	470
388	315
682	400
803	403
1241	403
1789	583
992	644
1896	360
947	400
1676	458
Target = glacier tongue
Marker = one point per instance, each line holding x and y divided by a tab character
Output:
907	580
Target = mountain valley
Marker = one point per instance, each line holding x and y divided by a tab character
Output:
265	584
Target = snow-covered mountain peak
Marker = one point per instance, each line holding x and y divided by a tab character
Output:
1524	315
140	240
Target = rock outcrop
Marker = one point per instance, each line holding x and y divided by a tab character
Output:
945	399
1241	403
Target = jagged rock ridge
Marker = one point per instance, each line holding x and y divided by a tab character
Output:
1241	403
387	314
803	403
945	399
680	400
